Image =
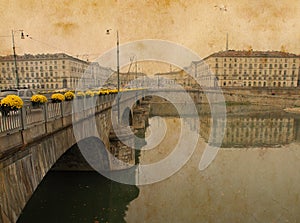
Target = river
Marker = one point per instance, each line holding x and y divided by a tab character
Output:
253	178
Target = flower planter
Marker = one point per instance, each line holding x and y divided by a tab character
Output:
5	110
36	104
55	100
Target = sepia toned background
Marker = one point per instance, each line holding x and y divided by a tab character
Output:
78	27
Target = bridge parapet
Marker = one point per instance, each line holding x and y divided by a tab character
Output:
28	124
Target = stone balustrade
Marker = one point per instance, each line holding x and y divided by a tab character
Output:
30	123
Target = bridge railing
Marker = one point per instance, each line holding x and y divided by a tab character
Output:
30	116
29	124
10	123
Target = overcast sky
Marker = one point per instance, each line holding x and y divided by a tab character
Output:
78	27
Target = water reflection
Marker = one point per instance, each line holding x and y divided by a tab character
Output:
260	184
65	197
251	130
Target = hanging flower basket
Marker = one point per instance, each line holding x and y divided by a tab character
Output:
36	104
5	110
80	95
37	100
69	96
10	103
56	98
89	94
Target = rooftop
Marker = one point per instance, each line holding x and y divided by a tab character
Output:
251	53
47	56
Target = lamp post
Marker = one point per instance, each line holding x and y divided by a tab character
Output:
14	52
118	70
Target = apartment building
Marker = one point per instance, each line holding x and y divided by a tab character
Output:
42	71
248	69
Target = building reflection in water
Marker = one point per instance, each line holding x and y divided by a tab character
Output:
249	130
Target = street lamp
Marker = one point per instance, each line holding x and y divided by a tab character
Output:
14	51
118	69
118	58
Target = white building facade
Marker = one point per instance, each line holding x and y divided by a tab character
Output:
248	69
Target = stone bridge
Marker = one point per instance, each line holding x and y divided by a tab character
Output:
33	139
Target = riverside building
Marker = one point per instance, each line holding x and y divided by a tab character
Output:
248	69
49	71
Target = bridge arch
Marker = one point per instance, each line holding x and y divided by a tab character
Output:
74	160
126	118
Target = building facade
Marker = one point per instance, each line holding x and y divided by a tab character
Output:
248	69
42	71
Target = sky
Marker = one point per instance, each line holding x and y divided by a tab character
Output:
78	27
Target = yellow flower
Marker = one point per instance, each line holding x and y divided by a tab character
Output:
69	95
113	91
89	93
101	92
39	98
57	97
80	94
12	101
